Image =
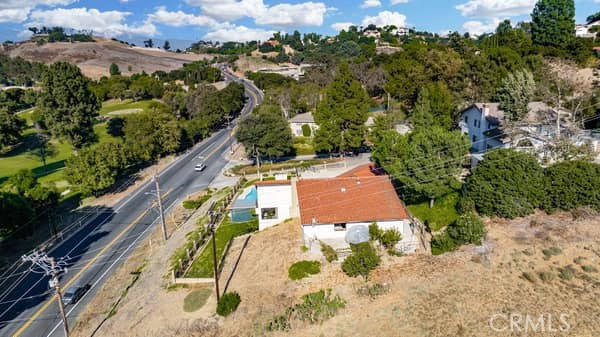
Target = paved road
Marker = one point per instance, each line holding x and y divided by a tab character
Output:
29	308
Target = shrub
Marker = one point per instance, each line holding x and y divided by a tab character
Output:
566	273
469	228
374	231
194	204
302	269
390	237
315	308
506	184
529	276
442	243
465	205
328	251
303	248
572	184
372	291
546	276
306	131
363	259
589	269
228	303
552	251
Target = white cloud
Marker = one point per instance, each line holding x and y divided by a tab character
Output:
370	4
385	18
109	23
281	15
478	27
395	2
239	33
339	26
179	19
496	8
287	15
18	10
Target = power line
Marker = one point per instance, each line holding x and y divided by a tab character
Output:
51	268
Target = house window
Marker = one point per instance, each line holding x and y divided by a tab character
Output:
268	213
474	139
466	119
339	227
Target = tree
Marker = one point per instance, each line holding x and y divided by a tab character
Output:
515	93
167	45
22	182
553	23
342	113
152	134
15	211
468	228
507	184
148	43
426	162
114	69
266	133
11	127
362	261
94	169
593	18
572	184
67	104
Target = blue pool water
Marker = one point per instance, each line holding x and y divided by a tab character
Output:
244	205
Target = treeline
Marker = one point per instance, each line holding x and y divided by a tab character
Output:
57	34
136	87
191	73
19	72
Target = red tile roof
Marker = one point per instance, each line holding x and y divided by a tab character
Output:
348	199
272	182
366	170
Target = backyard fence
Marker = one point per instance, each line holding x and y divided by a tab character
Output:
217	212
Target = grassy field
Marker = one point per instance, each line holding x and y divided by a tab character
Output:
203	265
27	156
441	215
116	105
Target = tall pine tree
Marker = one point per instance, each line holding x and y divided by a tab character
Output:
342	113
553	23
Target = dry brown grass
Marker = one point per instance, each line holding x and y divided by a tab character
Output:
94	58
450	295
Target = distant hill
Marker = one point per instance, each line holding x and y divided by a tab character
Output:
94	58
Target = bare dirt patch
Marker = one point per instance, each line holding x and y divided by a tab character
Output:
94	58
454	294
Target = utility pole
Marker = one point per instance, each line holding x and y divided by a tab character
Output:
214	248
160	208
51	268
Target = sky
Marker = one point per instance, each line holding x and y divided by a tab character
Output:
244	20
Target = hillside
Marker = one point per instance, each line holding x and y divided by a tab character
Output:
94	58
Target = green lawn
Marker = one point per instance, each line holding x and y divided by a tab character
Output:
116	105
26	156
441	215
196	299
203	265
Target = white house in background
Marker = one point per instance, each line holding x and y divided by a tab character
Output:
331	208
584	30
297	121
400	31
274	200
372	33
483	123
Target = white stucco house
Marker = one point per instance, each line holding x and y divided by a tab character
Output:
584	30
331	207
297	121
274	201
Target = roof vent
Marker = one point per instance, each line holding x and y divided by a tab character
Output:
343	189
